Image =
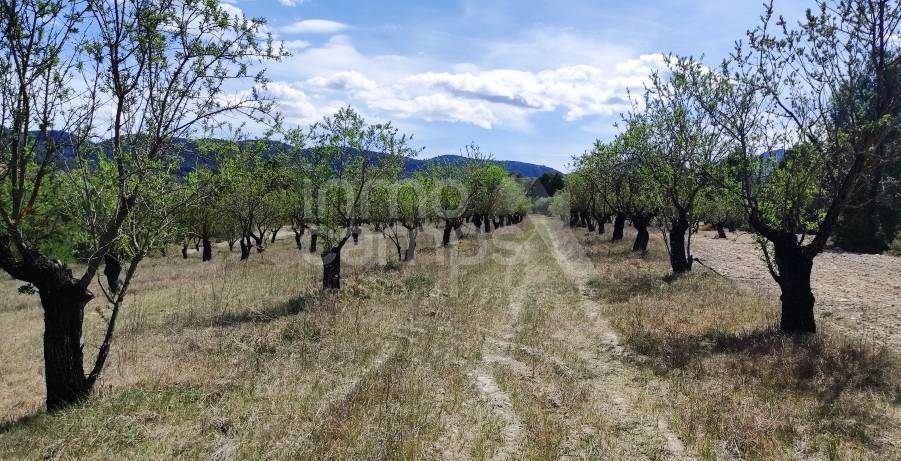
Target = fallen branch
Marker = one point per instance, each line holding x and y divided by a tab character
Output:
698	260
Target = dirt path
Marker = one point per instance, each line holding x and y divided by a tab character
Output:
604	351
860	294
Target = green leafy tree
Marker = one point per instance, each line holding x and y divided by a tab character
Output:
348	157
684	146
248	183
777	95
158	70
483	182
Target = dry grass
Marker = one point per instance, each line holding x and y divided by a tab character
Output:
226	360
231	360
731	384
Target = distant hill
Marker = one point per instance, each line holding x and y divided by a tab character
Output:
191	158
529	170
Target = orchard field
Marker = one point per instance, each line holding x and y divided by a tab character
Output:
220	238
544	344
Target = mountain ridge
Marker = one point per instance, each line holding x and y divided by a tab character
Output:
191	158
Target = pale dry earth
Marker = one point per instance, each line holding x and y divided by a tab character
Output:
859	294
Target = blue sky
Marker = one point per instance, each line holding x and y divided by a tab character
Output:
534	81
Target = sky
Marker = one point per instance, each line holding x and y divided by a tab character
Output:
534	81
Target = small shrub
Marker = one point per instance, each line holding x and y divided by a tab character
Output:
895	247
418	282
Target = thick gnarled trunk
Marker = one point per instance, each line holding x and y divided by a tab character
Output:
410	254
794	280
721	230
207	249
112	267
643	236
63	356
245	247
619	224
298	234
680	259
445	236
331	270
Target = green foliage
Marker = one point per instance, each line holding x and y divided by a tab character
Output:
895	247
484	183
247	187
541	205
560	204
344	167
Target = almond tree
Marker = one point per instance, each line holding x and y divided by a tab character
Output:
348	156
776	96
684	146
454	194
247	183
157	71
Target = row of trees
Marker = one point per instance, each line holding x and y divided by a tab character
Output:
98	100
333	180
782	136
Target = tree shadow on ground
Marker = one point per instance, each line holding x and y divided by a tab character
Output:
836	373
224	318
23	421
268	314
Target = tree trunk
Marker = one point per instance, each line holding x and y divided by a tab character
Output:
794	280
445	236
410	254
63	359
184	251
477	221
274	235
207	249
331	270
721	230
297	239
111	269
314	237
680	260
642	237
602	220
231	245
487	224
618	225
245	247
458	231
259	241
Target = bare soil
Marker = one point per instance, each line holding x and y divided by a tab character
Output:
858	294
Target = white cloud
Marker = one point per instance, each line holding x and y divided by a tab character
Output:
579	90
314	26
437	107
293	103
291	2
343	81
550	47
231	9
295	44
401	87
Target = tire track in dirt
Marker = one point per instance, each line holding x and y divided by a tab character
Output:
500	401
344	391
605	360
